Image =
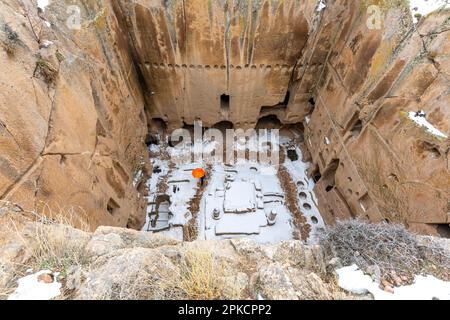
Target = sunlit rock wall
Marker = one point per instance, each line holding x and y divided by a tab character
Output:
72	119
375	163
192	52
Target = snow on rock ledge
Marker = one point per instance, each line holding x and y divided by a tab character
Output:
353	280
42	4
33	288
420	119
425	7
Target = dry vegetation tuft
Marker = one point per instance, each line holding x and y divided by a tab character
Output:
389	247
45	71
199	276
45	242
51	242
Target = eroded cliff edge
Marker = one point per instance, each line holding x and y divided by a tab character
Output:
75	104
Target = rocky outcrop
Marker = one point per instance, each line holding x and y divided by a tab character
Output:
72	119
115	263
248	273
76	104
371	160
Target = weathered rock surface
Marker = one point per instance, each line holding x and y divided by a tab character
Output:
72	119
108	239
109	274
373	162
274	283
76	104
124	264
249	270
245	50
115	263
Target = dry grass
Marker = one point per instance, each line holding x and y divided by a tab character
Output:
303	229
390	247
48	243
55	252
190	230
51	241
45	71
199	276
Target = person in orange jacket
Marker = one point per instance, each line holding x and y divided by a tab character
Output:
199	173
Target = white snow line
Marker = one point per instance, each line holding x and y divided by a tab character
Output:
352	279
419	119
426	7
42	4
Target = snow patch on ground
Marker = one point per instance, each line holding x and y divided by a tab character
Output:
240	197
241	200
425	7
181	188
30	288
352	279
42	4
160	169
420	119
256	194
321	6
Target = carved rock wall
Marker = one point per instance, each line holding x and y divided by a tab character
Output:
218	60
72	119
74	114
374	162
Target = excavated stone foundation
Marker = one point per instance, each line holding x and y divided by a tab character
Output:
371	100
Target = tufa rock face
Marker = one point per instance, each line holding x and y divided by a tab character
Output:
350	85
218	60
76	105
374	162
72	119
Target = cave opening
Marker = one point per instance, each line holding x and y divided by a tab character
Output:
223	126
225	102
268	122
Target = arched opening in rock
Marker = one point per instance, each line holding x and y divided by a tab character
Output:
278	107
268	122
223	126
357	128
157	131
151	139
329	177
443	230
112	207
